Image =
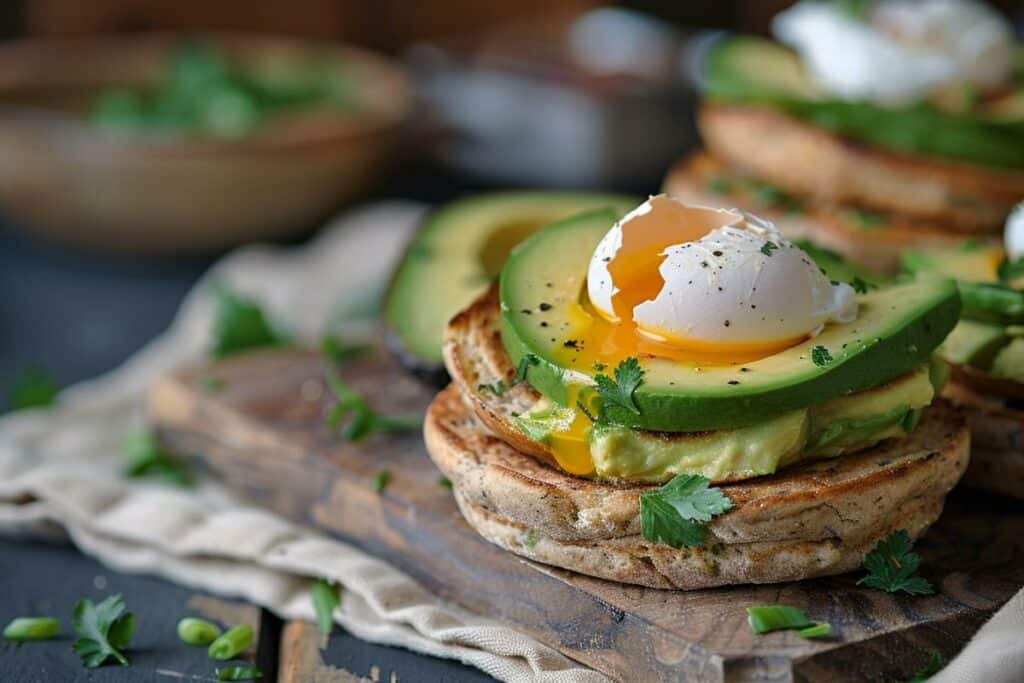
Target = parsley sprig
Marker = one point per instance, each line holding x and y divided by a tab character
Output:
104	630
239	324
619	392
891	566
820	356
32	388
363	421
676	513
145	457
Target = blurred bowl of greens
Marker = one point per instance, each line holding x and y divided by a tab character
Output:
159	143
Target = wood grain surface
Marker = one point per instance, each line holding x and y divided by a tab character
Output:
264	434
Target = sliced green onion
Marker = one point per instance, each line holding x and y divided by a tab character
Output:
381	479
194	631
238	673
231	642
31	628
767	618
819	630
326	599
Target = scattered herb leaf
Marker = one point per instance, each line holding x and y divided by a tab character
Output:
230	643
32	388
238	673
210	385
891	564
767	618
326	599
860	286
338	352
239	325
381	480
496	388
444	482
144	457
364	421
935	664
524	365
104	630
675	514
628	376
821	356
768	247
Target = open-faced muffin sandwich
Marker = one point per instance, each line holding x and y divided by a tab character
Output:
682	398
889	122
986	350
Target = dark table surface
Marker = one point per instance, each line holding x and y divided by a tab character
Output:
79	315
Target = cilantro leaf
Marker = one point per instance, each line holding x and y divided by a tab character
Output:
104	630
363	420
326	599
860	286
676	513
628	376
821	356
32	388
239	325
145	457
891	564
768	247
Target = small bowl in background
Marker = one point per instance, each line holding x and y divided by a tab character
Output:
72	182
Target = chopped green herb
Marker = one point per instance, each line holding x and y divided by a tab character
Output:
104	630
444	482
193	631
381	480
768	247
238	673
496	388
239	325
230	643
524	365
891	564
364	421
33	388
628	376
326	599
821	356
676	513
767	618
210	385
24	629
338	352
144	457
720	185
860	286
599	366
935	664
530	539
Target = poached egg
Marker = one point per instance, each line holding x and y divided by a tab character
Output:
710	285
899	50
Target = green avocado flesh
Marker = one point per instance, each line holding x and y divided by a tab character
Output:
840	425
974	267
896	330
460	249
987	338
748	70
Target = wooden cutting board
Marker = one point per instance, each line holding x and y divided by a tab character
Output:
263	432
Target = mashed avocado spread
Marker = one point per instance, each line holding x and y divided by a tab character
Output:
831	428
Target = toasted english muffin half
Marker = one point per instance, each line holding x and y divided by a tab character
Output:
997	437
806	160
876	244
811	520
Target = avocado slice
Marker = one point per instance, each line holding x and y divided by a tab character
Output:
1009	362
896	330
974	343
748	70
975	268
456	253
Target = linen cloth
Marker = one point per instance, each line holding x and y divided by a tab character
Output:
60	472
